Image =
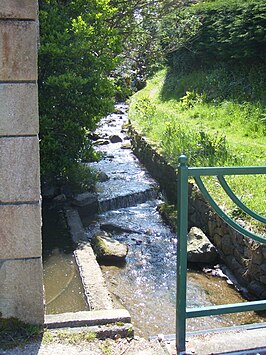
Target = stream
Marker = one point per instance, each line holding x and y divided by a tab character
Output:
146	283
62	284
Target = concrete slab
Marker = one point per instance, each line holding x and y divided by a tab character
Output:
104	324
102	332
87	318
246	340
96	292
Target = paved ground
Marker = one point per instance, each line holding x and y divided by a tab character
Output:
250	340
237	340
136	346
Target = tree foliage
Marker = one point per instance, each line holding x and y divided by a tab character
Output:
231	31
78	50
140	23
87	49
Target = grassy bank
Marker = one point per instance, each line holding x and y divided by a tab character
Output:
214	116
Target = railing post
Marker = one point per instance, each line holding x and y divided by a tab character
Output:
182	229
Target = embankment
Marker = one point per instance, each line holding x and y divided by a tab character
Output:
244	257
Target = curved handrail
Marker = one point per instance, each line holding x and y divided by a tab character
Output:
238	202
225	217
184	172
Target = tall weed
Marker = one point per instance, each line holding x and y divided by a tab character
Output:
145	111
201	147
187	114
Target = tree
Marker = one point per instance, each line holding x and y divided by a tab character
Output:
84	46
143	24
78	50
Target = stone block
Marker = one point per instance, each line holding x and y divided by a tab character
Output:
19	109
217	241
18	51
21	291
20	9
227	247
19	169
263	279
20	231
257	257
247	253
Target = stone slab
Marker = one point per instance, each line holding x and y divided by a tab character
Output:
92	279
18	51
21	291
19	109
20	231
75	225
93	282
87	318
19	169
242	340
113	331
20	9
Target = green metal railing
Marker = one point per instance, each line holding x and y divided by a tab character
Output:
184	172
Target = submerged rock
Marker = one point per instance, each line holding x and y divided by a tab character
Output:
115	138
126	145
200	249
112	227
108	249
102	176
101	142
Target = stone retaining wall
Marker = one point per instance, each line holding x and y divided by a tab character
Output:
245	258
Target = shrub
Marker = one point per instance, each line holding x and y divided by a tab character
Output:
231	30
77	53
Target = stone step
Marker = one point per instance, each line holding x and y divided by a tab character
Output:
87	318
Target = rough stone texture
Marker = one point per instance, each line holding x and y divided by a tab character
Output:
85	199
87	318
21	286
75	225
163	172
242	255
18	51
93	282
20	232
19	9
115	139
21	291
108	249
19	109
19	169
200	249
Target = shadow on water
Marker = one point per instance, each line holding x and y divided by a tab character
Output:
62	284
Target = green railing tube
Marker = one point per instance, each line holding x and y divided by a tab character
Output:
224	216
226	309
182	228
229	170
182	313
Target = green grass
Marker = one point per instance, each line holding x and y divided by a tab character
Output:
197	115
16	333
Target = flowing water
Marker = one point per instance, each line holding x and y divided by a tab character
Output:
145	284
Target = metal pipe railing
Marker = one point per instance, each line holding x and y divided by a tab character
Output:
184	172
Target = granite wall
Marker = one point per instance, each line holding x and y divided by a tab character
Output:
21	283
